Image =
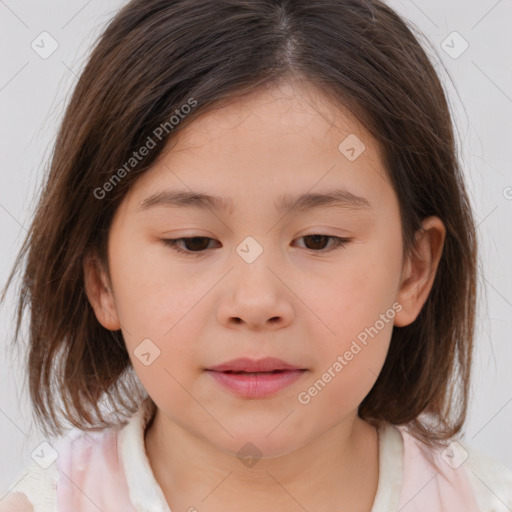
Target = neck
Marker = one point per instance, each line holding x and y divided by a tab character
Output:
339	468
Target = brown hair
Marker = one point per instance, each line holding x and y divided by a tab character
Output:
155	56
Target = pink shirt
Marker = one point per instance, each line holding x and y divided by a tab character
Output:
109	471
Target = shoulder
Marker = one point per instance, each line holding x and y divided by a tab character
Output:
84	467
34	490
16	502
457	473
63	461
491	480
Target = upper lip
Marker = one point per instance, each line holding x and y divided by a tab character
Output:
245	364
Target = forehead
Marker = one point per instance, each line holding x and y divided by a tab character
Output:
275	144
284	109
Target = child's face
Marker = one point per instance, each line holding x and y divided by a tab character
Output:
327	310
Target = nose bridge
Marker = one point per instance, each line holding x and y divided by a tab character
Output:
256	295
253	261
250	249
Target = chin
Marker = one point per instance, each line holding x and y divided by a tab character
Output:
250	445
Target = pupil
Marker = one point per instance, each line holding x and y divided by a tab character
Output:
192	241
316	239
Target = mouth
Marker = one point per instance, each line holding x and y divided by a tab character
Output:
255	366
247	378
255	373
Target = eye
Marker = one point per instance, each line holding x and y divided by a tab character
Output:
196	245
319	240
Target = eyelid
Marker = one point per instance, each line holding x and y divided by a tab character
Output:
339	243
173	244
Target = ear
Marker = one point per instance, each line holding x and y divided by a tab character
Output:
420	270
99	292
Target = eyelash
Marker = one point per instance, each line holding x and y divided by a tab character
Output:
173	244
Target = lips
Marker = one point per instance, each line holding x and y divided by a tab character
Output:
249	378
246	365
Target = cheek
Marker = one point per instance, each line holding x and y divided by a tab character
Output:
155	312
354	298
354	316
350	358
165	362
152	293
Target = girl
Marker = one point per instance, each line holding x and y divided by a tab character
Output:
313	353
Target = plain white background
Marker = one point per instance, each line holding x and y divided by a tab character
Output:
33	94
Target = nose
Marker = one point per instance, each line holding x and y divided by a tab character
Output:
255	297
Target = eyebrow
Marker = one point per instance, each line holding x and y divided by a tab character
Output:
340	198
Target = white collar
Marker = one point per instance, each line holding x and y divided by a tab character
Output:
391	466
147	496
145	492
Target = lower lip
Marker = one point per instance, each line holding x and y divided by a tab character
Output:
256	386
